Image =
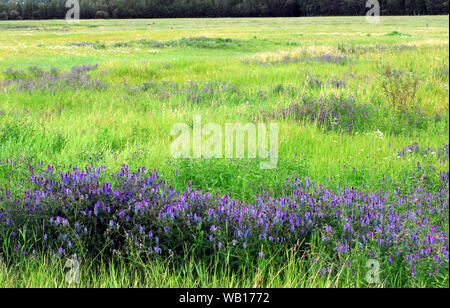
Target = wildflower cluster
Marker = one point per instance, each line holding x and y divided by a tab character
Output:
190	42
331	113
415	149
94	45
340	113
80	213
360	49
316	82
37	79
195	42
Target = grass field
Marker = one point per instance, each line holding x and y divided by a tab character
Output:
360	107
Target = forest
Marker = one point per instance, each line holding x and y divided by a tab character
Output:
124	9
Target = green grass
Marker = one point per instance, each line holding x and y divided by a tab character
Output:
118	125
291	270
160	274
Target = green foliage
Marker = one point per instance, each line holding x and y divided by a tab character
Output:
396	33
241	178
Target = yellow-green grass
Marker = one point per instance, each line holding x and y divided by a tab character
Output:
117	124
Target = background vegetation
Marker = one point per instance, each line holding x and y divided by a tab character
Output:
51	9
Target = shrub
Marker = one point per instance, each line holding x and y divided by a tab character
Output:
101	15
121	44
396	33
3	16
400	88
14	15
36	15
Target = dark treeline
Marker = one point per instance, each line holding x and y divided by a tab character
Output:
56	9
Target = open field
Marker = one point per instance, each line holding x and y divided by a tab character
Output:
362	109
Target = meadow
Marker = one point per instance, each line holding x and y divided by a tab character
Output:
86	173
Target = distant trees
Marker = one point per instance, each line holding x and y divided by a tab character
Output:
49	9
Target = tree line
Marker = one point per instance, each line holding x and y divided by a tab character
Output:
56	9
